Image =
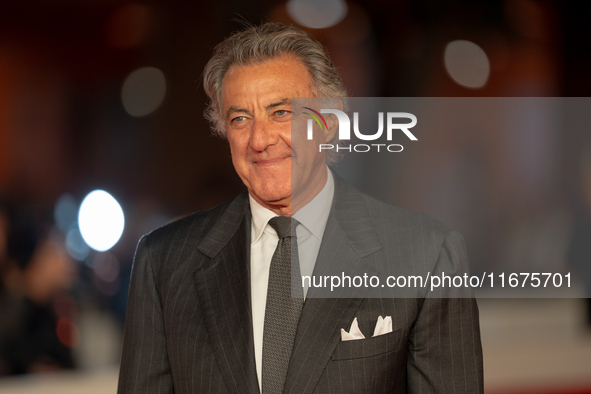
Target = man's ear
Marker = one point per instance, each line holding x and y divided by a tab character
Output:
333	122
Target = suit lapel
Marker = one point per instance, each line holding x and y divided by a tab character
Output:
347	244
223	286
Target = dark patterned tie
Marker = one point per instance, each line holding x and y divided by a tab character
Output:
282	312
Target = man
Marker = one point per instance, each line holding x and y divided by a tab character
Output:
208	311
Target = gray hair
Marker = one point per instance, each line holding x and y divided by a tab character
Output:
258	44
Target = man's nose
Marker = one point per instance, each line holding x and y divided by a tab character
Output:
263	135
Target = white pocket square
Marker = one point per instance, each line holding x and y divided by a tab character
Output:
383	326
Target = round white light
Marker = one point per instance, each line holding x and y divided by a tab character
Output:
143	91
317	14
467	64
100	220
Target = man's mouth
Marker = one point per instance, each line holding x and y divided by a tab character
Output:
270	162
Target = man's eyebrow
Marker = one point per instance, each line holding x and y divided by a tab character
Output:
234	109
278	103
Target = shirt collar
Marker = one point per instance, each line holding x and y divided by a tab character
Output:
313	215
260	218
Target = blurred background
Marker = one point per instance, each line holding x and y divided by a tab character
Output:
102	139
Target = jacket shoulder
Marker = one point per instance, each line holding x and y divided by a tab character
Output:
420	242
173	237
411	220
386	217
417	238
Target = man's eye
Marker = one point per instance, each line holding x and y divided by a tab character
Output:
282	112
238	119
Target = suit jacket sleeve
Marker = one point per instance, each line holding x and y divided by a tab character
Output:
144	363
445	352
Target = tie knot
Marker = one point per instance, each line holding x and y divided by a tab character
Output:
284	226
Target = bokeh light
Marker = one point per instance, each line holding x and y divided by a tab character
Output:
143	91
317	14
106	268
101	220
67	332
75	244
467	64
65	212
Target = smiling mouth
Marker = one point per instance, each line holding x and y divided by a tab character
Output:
270	162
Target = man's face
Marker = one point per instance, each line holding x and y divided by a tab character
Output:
257	114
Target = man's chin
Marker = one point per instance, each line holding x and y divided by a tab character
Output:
272	199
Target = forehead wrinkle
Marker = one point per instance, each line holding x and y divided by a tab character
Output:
285	101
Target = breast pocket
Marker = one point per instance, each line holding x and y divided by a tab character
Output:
369	347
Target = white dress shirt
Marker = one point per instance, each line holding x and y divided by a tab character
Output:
312	218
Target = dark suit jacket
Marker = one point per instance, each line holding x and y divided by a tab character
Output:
189	328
